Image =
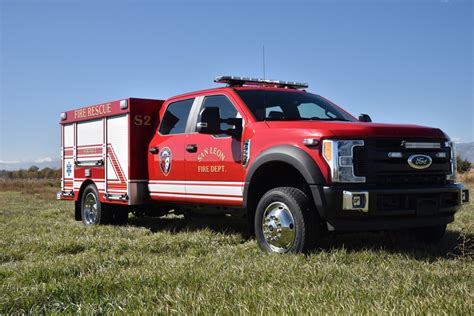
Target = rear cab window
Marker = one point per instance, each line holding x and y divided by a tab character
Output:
176	117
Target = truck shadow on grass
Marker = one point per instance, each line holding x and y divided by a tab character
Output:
177	224
454	244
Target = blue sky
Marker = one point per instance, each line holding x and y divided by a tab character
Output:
399	61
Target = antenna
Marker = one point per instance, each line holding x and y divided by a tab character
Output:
263	61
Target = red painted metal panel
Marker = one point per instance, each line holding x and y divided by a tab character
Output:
143	122
94	112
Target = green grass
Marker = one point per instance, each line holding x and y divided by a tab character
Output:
51	263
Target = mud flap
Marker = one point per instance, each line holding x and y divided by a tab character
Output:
77	211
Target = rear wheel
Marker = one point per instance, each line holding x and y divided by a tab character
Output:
285	222
91	209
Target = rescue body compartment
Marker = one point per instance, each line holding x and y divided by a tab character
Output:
107	144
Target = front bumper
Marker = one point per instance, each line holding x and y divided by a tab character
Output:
373	208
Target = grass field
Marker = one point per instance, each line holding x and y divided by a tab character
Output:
51	263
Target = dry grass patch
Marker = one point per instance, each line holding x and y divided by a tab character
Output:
467	177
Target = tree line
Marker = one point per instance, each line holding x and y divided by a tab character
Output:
463	165
32	172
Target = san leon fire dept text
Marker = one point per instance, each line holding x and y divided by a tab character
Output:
293	163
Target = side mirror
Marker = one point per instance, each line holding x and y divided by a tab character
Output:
365	118
210	121
236	127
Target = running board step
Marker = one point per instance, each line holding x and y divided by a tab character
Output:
116	197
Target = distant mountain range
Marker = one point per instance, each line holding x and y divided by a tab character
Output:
465	150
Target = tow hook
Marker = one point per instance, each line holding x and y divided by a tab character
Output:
464	196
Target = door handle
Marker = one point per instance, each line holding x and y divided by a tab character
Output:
153	150
191	148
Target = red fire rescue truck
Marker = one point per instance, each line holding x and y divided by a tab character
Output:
294	163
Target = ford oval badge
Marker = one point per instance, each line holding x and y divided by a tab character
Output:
419	161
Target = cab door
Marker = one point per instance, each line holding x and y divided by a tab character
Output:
166	155
214	172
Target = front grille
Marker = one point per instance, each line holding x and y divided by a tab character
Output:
373	162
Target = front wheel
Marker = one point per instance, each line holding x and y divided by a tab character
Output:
285	222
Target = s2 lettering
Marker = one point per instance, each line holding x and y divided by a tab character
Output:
140	120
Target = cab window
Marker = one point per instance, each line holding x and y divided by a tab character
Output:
175	118
227	109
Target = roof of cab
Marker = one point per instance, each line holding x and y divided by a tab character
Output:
226	88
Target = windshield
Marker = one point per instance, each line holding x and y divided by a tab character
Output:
268	105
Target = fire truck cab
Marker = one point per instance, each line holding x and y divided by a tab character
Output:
294	163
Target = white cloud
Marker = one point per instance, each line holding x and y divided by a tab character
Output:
46	159
37	160
11	161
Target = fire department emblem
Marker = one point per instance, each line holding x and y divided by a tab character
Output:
165	160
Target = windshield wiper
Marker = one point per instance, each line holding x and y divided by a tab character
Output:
328	119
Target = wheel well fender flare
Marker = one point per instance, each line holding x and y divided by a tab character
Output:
292	155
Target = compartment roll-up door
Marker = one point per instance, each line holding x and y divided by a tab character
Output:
117	155
68	157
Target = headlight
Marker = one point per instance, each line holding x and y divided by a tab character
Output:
452	175
339	154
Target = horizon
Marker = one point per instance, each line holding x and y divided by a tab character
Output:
400	62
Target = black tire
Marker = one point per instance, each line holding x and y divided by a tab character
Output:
429	235
272	219
119	214
92	210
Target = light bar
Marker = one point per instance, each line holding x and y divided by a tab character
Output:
239	81
421	145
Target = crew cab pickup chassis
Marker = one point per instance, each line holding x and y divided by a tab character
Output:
294	163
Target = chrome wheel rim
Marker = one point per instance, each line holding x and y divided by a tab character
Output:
90	209
278	226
